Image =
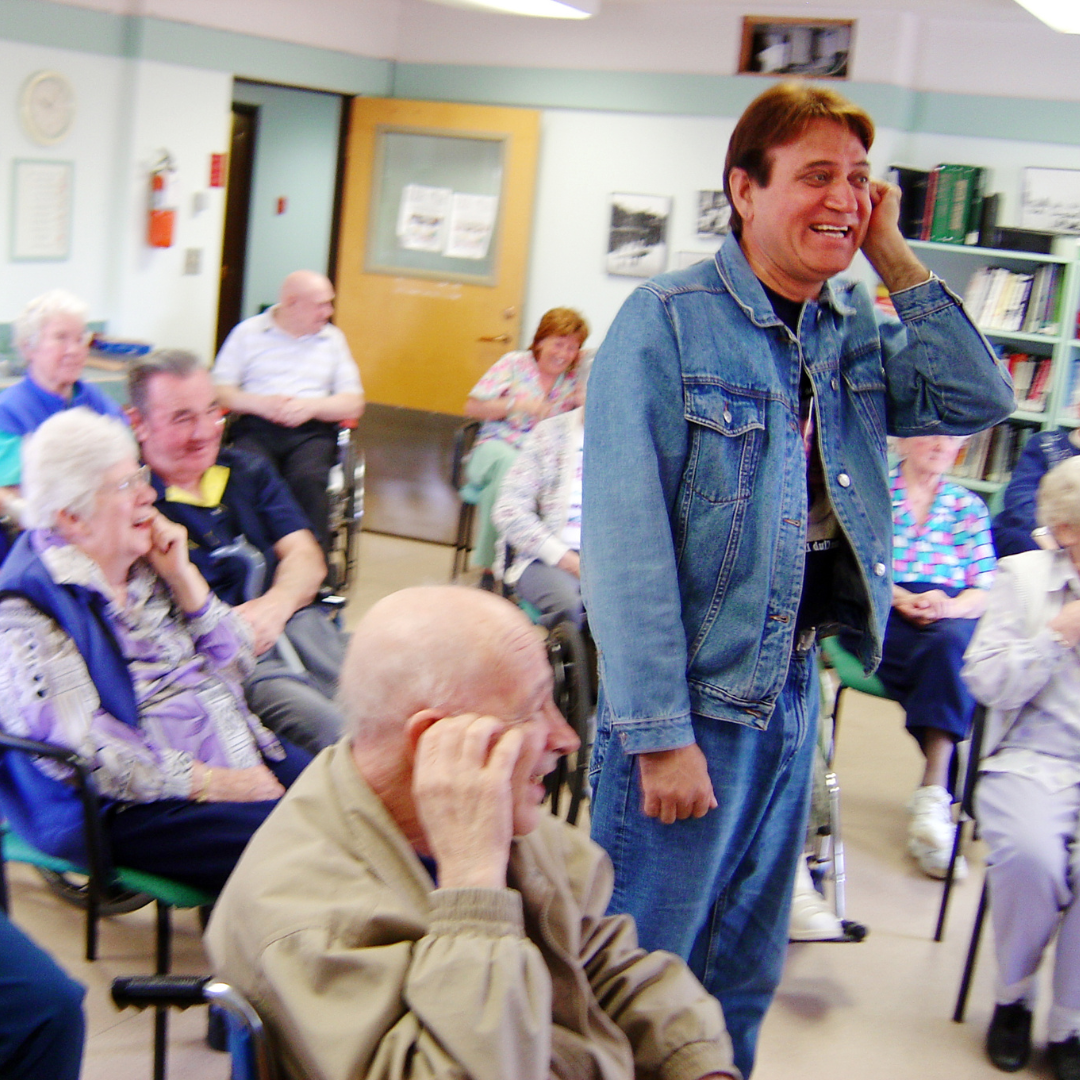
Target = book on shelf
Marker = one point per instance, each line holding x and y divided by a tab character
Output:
1030	377
1072	395
1014	301
991	455
912	184
953	208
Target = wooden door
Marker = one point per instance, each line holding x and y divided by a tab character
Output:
421	341
237	213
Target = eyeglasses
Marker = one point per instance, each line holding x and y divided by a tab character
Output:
189	420
129	483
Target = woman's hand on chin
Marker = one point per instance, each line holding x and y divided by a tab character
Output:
168	556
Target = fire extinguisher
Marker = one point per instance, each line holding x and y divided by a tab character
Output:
162	215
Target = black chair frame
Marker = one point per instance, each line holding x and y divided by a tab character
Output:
464	438
99	873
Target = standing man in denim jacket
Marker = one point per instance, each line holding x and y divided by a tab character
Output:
736	507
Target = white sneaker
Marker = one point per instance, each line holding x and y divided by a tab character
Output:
811	917
931	832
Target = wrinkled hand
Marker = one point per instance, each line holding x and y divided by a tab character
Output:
254	784
266	618
884	213
571	563
922	609
294	411
1067	622
268	405
530	406
884	245
463	796
675	784
168	553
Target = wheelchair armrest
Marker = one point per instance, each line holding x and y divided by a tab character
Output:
252	560
142	991
44	749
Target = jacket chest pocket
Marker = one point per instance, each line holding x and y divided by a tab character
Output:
726	437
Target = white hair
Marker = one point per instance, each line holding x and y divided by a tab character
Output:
30	321
1059	495
64	461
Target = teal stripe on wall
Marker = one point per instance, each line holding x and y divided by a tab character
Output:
36	23
643	92
998	118
41	22
261	58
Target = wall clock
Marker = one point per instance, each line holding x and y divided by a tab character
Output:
47	107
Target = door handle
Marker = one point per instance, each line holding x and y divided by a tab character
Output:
501	339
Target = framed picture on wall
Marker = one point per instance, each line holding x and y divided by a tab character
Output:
41	201
637	235
713	214
813	48
1050	200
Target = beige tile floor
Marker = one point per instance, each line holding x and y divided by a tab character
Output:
879	1010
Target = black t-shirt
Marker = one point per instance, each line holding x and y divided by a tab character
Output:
822	528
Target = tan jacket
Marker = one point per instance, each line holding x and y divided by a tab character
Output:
362	969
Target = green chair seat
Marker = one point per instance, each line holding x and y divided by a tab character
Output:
850	670
167	891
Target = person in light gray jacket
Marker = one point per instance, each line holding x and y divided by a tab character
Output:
538	514
1023	664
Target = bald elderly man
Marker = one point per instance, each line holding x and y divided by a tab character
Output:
289	375
411	910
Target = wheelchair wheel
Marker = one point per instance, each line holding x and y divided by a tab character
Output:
571	662
71	888
346	509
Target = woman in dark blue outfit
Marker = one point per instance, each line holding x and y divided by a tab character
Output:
42	1027
943	563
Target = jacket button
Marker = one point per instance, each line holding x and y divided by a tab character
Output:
727	416
834	384
844	480
879	569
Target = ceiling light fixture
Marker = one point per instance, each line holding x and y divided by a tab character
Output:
1062	15
540	9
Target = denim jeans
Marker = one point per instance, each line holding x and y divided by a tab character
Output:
717	890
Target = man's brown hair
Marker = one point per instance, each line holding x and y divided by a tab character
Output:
779	116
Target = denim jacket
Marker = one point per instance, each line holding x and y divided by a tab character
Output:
695	479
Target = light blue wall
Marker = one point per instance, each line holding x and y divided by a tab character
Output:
296	150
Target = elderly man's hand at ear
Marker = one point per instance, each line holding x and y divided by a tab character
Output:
462	790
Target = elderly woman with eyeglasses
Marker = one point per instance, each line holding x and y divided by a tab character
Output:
1023	663
112	645
52	338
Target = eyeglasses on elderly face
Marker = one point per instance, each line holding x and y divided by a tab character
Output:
130	483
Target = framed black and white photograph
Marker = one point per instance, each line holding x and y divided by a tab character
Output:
713	214
1050	200
637	239
812	48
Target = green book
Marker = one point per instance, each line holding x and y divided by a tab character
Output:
939	223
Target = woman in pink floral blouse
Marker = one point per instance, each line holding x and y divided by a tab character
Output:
518	390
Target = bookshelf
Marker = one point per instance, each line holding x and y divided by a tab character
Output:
1058	344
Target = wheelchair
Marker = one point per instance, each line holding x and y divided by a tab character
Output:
572	656
346	488
246	1038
